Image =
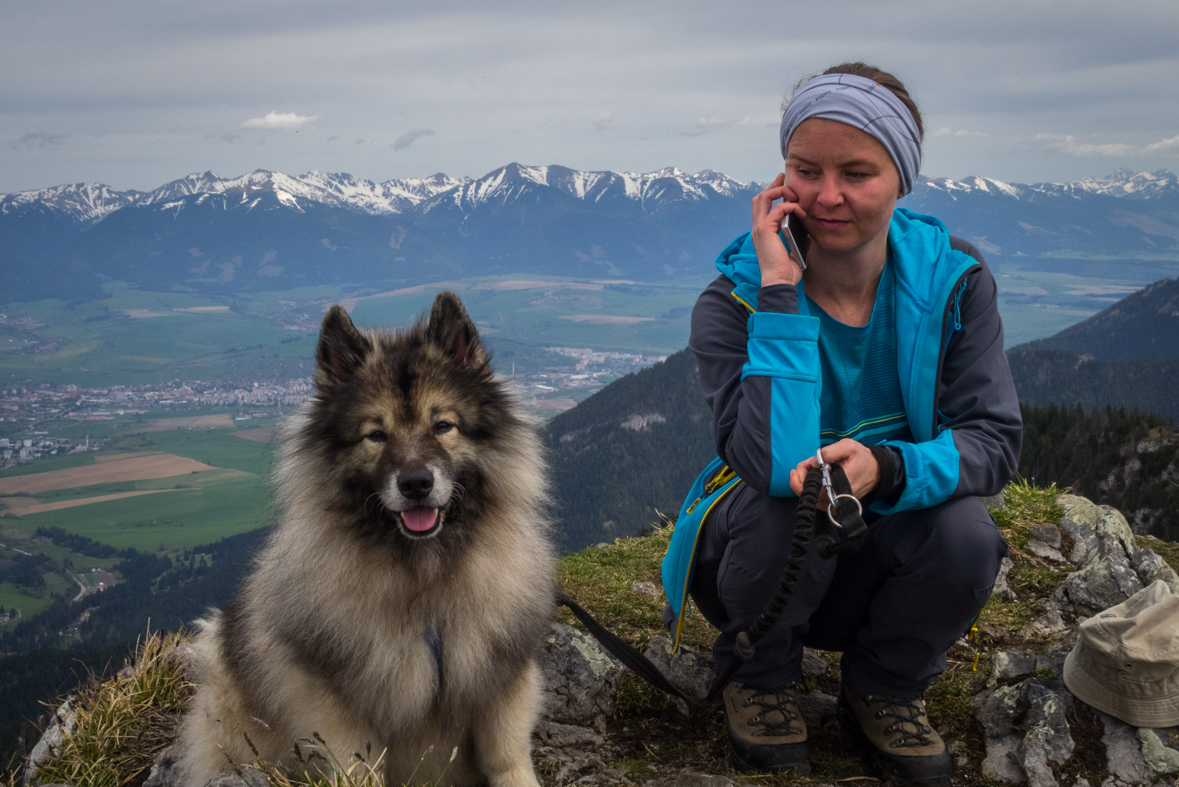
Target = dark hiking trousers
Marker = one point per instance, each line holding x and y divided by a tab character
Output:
893	608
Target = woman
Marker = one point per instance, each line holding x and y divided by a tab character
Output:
886	351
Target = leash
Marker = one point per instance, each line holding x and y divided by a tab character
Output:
842	530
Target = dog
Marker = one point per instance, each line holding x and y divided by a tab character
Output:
401	600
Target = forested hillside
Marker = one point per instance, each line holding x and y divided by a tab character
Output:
628	451
55	648
1124	459
1124	356
1063	377
1144	324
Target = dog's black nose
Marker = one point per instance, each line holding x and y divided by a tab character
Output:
416	484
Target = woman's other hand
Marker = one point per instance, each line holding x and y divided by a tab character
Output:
777	266
860	467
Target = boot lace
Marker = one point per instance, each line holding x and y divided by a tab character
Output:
781	701
908	724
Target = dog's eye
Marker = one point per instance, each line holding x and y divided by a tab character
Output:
377	436
442	427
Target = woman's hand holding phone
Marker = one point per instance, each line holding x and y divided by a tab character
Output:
776	263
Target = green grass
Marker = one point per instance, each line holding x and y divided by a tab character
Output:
29	605
216	448
46	465
173	520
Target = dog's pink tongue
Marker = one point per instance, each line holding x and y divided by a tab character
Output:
419	519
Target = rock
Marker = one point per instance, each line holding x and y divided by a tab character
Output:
572	753
692	670
580	679
565	736
1009	664
995	501
958	749
606	776
249	777
46	748
1047	533
1046	551
817	708
1025	731
1052	621
813	663
1150	567
1080	522
1107	577
646	589
1159	757
690	778
1001	588
163	770
1125	763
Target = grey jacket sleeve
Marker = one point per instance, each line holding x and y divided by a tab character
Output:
976	394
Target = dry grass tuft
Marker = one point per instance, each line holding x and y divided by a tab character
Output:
123	723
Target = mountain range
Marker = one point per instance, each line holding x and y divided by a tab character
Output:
268	231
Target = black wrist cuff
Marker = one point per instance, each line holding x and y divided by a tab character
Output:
892	474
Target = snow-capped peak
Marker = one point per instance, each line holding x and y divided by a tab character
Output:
82	201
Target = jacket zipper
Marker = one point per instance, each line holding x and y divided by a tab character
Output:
948	329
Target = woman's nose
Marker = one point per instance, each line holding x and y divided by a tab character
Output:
829	191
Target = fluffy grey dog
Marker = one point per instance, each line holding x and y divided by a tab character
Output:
402	597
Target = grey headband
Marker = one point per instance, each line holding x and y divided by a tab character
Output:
862	104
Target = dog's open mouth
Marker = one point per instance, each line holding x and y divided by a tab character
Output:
421	521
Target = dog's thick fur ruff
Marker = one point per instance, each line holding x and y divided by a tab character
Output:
361	625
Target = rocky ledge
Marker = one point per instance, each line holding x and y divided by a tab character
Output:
1027	727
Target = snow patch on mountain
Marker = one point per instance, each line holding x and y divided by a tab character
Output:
82	201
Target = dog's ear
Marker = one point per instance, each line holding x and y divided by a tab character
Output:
342	349
451	330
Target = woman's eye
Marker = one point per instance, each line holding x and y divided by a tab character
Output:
376	436
442	427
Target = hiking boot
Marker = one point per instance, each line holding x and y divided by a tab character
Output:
766	730
896	735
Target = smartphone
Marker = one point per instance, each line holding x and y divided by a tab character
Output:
796	238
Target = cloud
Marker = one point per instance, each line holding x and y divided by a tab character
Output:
38	139
721	122
1067	144
604	121
946	131
359	141
410	137
332	138
1163	146
280	121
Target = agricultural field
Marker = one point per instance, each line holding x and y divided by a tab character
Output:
167	488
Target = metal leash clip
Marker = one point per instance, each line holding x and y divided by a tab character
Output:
831	496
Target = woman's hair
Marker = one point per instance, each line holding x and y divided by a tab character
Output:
894	85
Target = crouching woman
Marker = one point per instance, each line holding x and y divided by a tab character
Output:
886	352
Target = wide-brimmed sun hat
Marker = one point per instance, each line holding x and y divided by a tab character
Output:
1126	660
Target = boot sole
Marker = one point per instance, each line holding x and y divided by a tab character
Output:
886	768
801	767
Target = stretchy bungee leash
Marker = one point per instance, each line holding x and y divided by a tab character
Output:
842	530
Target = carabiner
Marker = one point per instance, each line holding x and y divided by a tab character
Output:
831	496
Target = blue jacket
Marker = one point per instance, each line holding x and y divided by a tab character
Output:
956	385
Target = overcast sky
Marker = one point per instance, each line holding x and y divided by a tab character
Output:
134	94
